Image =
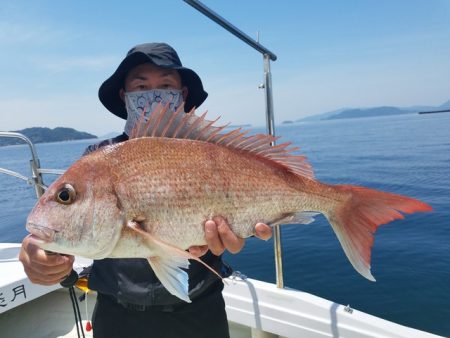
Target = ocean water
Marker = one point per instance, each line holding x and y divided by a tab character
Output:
404	154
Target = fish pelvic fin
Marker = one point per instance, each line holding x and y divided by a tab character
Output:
163	122
168	264
169	272
356	219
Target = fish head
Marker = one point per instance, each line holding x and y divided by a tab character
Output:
79	214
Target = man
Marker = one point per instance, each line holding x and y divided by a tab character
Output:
131	301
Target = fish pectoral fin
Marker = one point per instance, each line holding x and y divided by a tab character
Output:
168	262
305	217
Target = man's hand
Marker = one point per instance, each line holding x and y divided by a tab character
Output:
220	237
41	267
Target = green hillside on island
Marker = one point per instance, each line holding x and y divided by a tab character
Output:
41	135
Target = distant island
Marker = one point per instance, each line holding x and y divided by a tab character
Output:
349	113
377	111
41	135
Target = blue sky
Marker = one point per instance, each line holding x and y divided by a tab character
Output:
331	54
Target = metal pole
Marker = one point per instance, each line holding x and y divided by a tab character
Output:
37	177
267	55
34	162
230	27
270	123
268	93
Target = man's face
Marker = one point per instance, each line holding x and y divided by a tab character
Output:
148	76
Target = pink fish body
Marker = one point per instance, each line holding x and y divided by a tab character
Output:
150	196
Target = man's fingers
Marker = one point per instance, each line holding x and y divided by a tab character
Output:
48	275
263	231
219	236
42	258
41	267
31	253
230	241
58	269
212	238
49	279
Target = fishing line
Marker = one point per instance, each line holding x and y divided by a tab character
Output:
69	282
76	311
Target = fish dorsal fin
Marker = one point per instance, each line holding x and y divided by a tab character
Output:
163	122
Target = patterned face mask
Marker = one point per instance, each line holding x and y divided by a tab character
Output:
148	100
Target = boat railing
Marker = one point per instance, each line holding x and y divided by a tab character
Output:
37	172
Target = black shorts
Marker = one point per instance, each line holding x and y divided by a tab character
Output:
205	317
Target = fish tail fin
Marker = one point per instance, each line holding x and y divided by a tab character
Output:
360	212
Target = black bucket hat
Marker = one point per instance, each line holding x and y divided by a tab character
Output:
160	54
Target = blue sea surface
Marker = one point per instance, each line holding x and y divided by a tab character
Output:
403	154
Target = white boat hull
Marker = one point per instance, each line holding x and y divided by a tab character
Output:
255	309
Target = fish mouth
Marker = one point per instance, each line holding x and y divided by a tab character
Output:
42	232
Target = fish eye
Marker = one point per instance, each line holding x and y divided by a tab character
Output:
66	195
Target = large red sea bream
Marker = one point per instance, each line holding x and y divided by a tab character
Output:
150	196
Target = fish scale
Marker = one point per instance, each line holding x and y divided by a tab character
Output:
242	194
